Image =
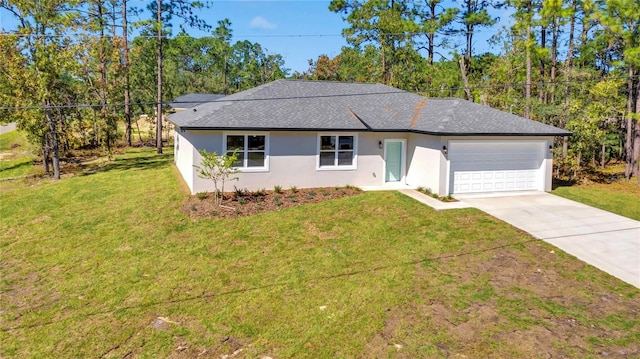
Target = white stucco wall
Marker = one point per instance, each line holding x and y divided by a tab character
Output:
426	162
183	157
292	161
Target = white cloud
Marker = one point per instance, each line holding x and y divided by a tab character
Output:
259	22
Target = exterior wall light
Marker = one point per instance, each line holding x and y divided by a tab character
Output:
444	150
380	144
550	149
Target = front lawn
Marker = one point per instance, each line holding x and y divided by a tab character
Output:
621	196
106	265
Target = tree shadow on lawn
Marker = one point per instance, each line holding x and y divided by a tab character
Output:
142	161
16	166
556	183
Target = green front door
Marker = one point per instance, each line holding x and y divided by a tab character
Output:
393	161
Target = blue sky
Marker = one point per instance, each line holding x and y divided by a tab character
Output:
298	30
272	23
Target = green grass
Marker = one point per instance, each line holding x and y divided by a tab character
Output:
16	155
621	197
10	139
90	262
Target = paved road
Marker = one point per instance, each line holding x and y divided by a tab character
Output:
7	128
605	240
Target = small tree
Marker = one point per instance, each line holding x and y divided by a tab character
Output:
219	169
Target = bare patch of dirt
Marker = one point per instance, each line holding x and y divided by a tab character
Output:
244	203
520	302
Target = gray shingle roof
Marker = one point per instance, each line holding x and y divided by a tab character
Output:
323	105
194	99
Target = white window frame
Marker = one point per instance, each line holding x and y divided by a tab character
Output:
354	163
243	153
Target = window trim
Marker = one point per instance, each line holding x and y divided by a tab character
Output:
243	152
354	163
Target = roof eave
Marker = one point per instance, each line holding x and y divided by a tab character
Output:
263	129
499	134
434	133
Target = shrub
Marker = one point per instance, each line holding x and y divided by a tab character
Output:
326	193
277	201
202	195
242	201
277	189
420	189
312	194
239	192
294	189
435	195
260	192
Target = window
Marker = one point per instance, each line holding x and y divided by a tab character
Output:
252	150
337	151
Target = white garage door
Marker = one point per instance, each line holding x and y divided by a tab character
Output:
496	166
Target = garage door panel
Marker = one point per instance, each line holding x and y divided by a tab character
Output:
488	166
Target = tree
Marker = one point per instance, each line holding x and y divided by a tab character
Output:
126	65
385	24
434	19
475	13
164	12
47	55
218	169
324	68
101	61
522	28
621	22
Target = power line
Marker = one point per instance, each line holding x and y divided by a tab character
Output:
225	99
15	34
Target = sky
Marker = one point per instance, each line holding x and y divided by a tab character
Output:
299	30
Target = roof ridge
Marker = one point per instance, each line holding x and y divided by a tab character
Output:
336	82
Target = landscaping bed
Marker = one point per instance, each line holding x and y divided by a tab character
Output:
242	203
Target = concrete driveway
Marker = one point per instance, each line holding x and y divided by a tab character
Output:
605	240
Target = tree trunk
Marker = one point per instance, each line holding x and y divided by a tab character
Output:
431	49
569	69
543	45
103	80
554	58
384	65
125	59
463	72
159	84
636	136
527	88
53	132
628	143
45	157
469	35
432	35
